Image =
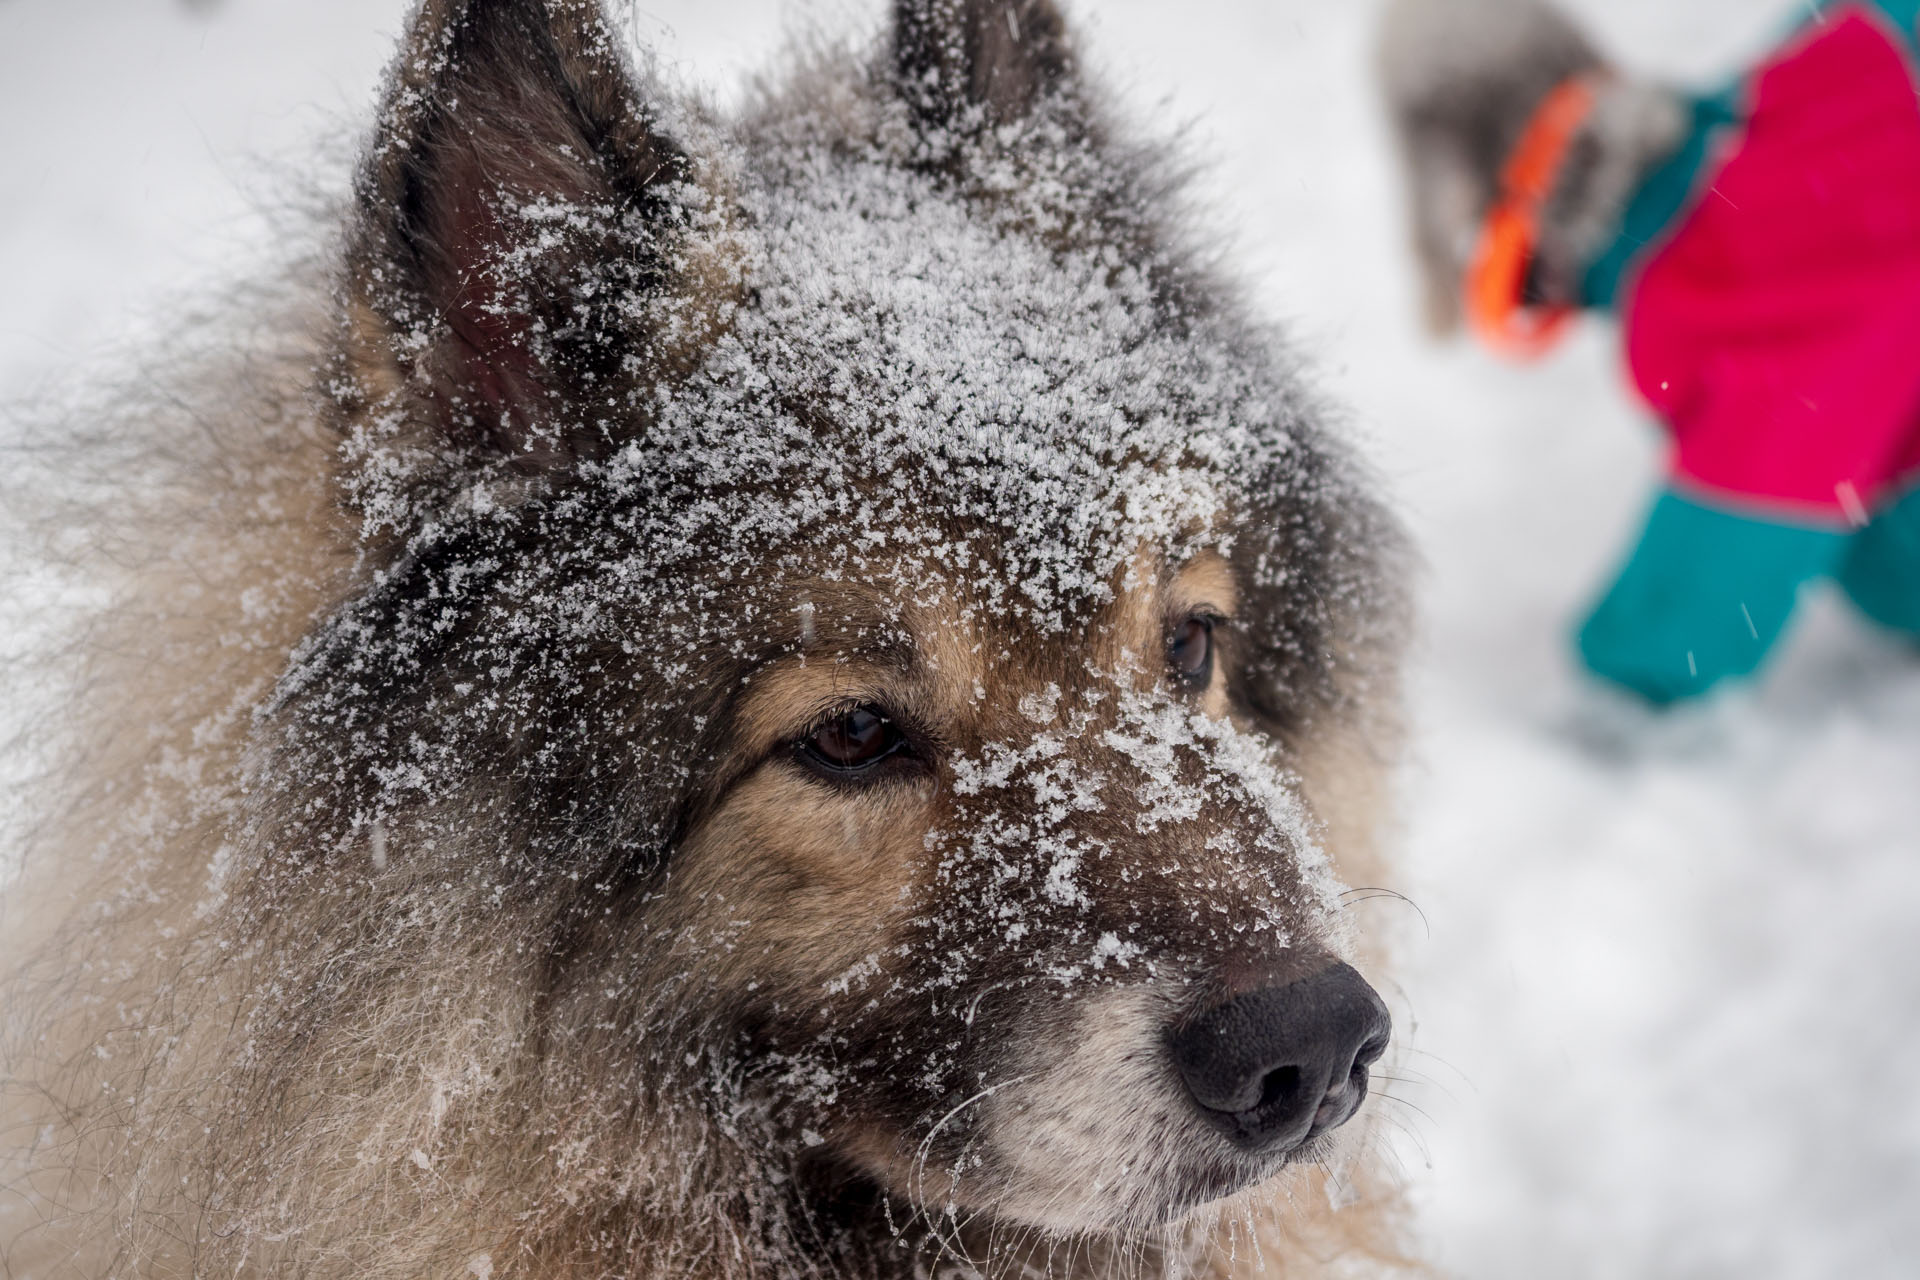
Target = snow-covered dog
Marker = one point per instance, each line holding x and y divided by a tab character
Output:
789	696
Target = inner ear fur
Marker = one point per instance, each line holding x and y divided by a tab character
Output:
515	216
962	64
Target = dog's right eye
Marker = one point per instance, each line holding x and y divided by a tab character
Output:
1190	650
853	741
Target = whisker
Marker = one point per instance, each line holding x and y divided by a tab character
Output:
1374	893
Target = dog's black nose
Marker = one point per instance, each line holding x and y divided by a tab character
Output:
1280	1065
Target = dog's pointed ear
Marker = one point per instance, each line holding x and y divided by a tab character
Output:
514	217
961	64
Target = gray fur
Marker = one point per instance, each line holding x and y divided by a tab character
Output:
1462	79
439	884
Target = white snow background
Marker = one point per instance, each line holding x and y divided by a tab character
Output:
1662	999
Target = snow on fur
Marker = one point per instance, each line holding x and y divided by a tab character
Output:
436	837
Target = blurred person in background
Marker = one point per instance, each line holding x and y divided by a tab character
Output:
1760	244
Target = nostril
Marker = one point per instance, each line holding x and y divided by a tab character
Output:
1370	1052
1278	1086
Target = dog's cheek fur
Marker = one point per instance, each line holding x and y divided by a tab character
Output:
787	899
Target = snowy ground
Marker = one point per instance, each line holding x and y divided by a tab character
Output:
1666	986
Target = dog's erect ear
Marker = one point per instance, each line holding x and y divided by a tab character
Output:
515	216
962	64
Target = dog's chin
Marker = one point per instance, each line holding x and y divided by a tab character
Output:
1213	1185
1143	1214
1153	1194
1208	1182
1119	1208
1224	1187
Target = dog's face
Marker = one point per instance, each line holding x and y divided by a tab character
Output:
975	875
850	609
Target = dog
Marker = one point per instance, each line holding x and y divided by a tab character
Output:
1462	79
1761	245
771	696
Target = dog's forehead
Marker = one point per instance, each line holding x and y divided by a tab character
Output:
915	376
946	614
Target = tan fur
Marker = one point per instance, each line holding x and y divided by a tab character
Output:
472	1108
211	586
771	833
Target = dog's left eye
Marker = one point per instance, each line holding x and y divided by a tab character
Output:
853	741
1190	650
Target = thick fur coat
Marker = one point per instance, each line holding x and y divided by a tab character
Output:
694	698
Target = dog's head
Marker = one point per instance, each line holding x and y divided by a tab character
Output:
860	643
1462	79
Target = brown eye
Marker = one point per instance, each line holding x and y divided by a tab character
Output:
853	740
1190	650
